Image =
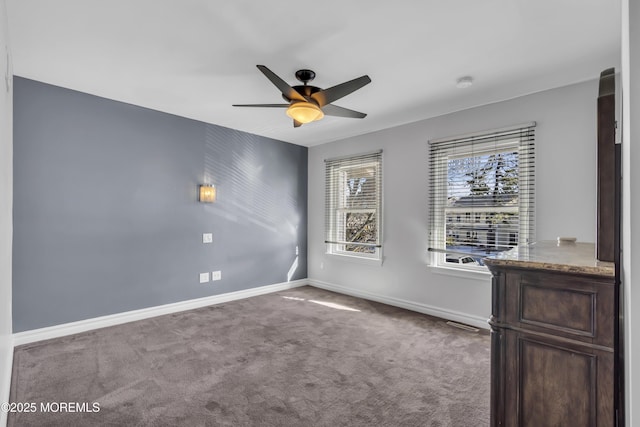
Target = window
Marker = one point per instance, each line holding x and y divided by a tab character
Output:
353	205
488	177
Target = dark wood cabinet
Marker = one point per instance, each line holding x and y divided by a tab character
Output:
553	331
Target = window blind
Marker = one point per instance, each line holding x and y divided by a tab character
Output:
482	192
353	201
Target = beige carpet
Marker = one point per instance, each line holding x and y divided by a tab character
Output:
302	357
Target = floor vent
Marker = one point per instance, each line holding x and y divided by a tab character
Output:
461	326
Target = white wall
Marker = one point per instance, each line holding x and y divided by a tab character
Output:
6	226
631	202
566	197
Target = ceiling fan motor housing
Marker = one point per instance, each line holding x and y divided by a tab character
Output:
305	91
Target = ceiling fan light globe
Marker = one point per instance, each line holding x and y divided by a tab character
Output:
304	112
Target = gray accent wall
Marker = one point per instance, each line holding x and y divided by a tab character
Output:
106	217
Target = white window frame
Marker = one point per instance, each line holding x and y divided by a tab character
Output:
438	177
336	211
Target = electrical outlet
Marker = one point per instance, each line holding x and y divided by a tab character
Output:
204	277
216	275
207	237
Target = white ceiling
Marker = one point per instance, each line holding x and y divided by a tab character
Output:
194	58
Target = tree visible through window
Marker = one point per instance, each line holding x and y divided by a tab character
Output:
481	196
353	205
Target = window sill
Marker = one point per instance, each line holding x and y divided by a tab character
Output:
374	262
460	272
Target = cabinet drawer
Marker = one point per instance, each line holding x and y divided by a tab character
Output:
562	305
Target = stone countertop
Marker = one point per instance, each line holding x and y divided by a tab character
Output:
567	257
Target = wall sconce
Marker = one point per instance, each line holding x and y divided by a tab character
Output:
207	193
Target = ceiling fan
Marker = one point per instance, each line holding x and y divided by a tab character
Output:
306	103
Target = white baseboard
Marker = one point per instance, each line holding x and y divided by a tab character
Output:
478	322
5	386
56	331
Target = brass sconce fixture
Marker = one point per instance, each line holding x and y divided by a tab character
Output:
207	193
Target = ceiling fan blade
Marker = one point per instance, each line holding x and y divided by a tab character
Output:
296	124
261	105
334	93
284	87
334	110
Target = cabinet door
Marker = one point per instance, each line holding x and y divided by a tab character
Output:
556	383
